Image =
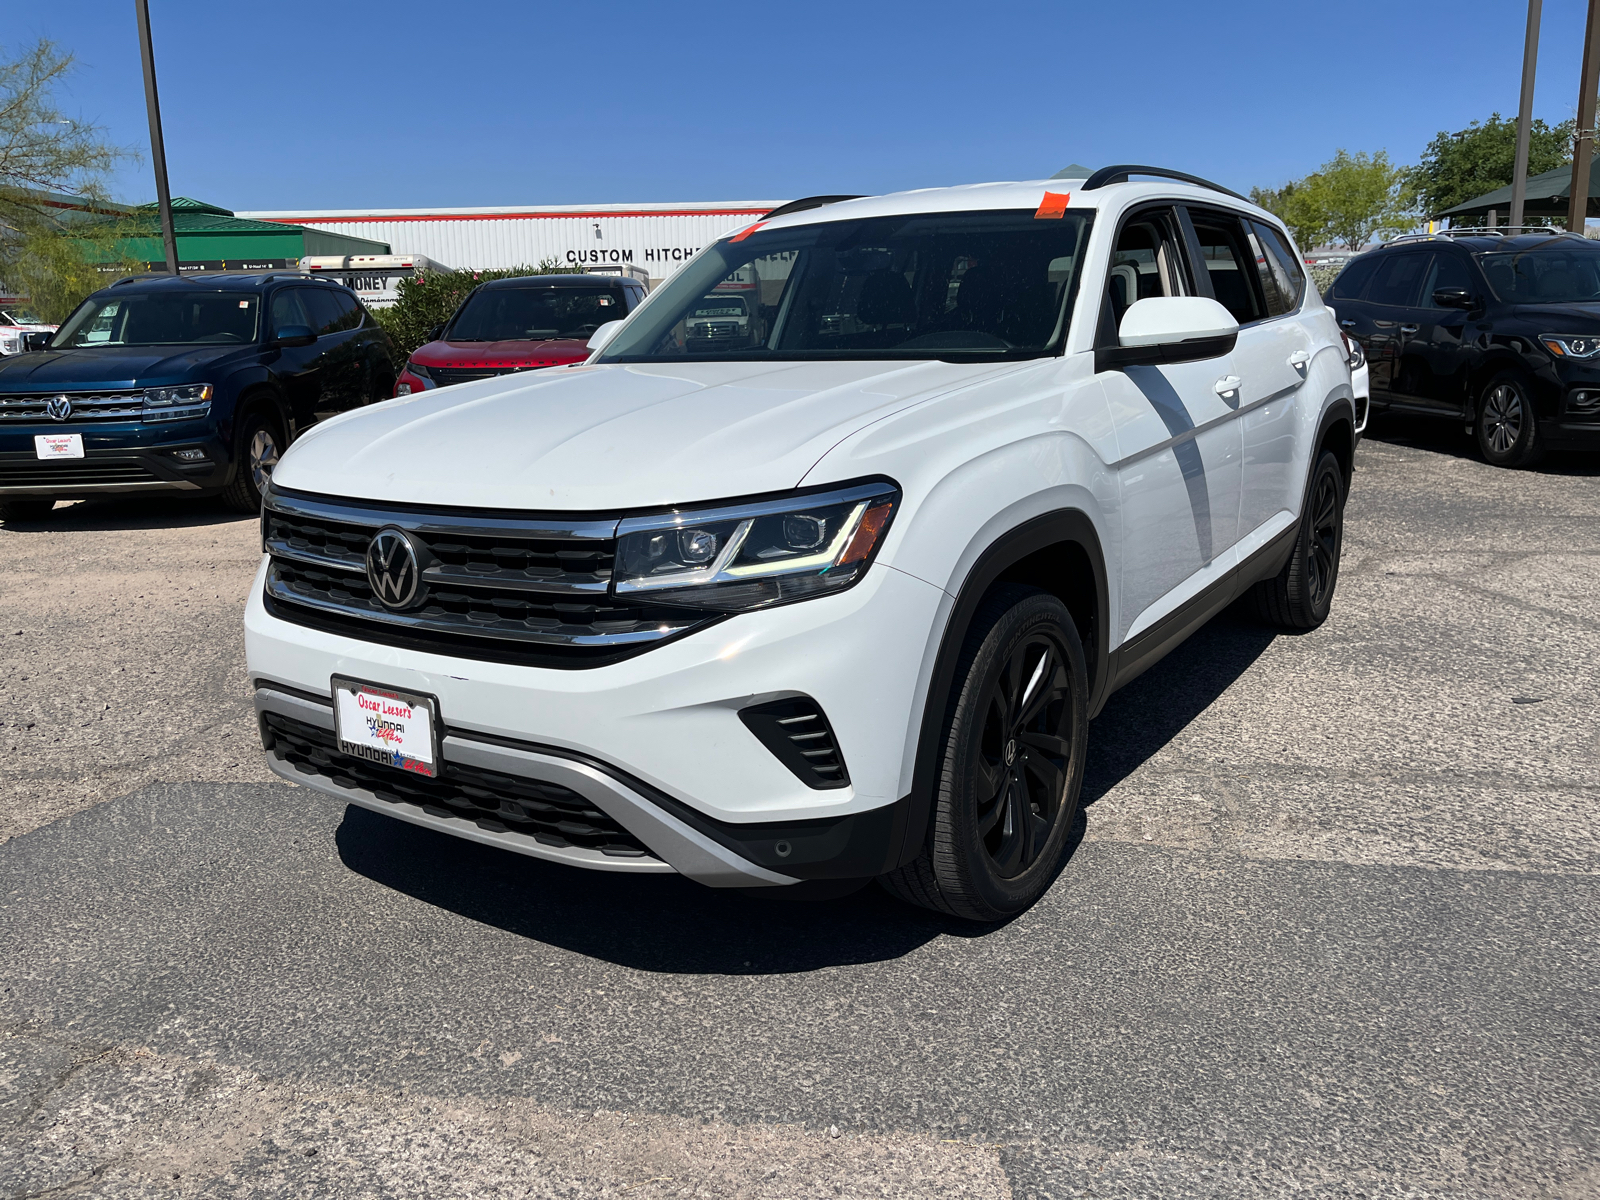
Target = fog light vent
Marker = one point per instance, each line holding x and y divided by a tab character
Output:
1584	401
798	734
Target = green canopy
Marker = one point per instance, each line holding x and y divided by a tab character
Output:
1547	197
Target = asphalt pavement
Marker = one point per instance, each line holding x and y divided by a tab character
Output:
1330	930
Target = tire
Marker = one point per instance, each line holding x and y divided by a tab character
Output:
1301	595
25	510
1010	768
1506	429
257	445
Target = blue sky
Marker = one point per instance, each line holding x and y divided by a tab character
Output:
352	104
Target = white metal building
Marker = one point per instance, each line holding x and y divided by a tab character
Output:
658	237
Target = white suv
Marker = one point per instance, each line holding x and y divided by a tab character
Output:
838	603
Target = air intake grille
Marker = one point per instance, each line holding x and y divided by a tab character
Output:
86	406
549	813
445	376
798	734
496	587
71	473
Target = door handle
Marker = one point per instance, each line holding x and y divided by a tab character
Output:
1347	324
1228	383
1408	330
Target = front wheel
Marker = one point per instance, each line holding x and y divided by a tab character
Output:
1010	763
1506	431
1301	594
257	447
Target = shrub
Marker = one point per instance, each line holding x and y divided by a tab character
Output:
431	299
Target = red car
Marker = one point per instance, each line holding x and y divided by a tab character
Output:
517	325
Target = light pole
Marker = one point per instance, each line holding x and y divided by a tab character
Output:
1583	151
158	150
1530	56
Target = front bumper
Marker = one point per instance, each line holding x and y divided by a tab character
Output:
656	740
118	458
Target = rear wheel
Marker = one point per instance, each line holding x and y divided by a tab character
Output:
1506	430
257	446
25	510
1301	594
1011	763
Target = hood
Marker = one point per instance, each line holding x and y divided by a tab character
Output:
1561	318
604	438
117	366
509	353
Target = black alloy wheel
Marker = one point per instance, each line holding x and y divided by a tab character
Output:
1506	429
1301	595
258	446
1011	767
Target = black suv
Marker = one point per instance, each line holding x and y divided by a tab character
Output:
1501	333
190	384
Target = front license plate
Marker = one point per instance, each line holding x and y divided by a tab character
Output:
388	726
58	445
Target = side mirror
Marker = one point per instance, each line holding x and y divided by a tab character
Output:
599	338
1454	298
295	335
36	341
436	333
1169	329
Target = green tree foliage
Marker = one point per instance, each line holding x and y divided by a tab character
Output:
45	249
1460	166
429	300
1348	201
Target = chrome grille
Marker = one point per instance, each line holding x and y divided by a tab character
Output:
86	406
499	587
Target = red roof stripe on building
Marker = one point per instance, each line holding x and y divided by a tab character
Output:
531	216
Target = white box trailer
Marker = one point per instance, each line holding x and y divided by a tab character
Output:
374	277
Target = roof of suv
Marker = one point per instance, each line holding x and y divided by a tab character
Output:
553	281
1024	194
209	281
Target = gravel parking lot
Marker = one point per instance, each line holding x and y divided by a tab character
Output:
1330	931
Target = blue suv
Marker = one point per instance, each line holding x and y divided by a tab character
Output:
191	385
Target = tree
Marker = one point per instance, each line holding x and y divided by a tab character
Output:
1461	166
1349	200
46	250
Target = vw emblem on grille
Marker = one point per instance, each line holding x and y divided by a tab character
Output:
59	407
393	569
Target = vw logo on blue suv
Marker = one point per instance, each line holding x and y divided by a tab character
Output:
192	384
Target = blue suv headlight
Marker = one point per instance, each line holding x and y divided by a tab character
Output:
177	403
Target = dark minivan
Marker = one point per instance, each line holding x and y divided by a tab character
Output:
1501	333
189	384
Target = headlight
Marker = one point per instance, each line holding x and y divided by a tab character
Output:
420	371
1566	346
177	403
749	556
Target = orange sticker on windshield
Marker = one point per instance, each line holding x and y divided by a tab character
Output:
1053	207
744	233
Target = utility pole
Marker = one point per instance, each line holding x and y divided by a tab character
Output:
1530	56
1583	151
158	150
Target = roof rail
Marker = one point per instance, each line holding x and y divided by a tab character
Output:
1481	231
1119	174
810	202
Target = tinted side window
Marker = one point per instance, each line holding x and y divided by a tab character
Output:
1145	262
352	315
288	309
1399	280
1448	271
327	315
1283	281
1353	280
1230	264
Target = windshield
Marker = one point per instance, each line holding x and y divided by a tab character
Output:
995	284
534	314
160	319
1563	274
719	306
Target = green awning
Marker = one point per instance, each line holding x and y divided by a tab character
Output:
1547	196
